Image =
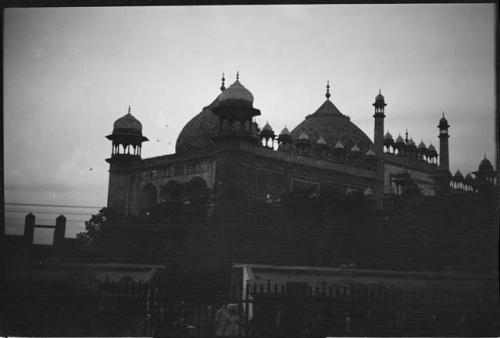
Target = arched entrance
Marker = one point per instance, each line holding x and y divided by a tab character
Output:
148	198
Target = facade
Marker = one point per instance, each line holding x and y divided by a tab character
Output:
223	152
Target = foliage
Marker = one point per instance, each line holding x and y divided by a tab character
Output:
94	227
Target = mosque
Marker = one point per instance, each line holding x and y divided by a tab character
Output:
223	152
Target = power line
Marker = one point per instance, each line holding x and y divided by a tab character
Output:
55	205
47	212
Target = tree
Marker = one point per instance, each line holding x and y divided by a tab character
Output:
94	227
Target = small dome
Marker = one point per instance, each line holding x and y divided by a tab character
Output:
458	174
236	93
339	145
355	148
485	165
400	139
422	145
285	131
388	136
411	142
370	152
267	127
127	124
321	140
303	136
432	150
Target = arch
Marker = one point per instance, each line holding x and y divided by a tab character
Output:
196	189
148	198
171	191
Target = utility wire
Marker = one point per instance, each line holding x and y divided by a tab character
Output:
55	205
27	211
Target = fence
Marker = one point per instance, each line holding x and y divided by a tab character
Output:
272	310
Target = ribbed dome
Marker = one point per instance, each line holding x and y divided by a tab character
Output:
198	132
327	121
388	136
400	139
236	93
127	124
422	145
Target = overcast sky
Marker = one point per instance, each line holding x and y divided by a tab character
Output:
70	72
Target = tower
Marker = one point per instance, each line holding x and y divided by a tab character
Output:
235	111
235	135
378	140
444	160
126	141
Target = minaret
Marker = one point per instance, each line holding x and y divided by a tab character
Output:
444	160
378	140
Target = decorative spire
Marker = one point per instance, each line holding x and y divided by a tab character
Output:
222	87
237	75
129	109
443	113
406	138
379	91
327	90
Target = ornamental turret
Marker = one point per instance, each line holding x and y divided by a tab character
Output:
127	141
235	111
321	145
485	176
284	137
126	138
267	135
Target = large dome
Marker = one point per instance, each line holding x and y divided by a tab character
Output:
328	122
197	134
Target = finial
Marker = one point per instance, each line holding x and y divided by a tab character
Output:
129	109
222	87
237	75
379	92
327	90
406	138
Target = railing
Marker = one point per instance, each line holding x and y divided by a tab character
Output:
269	310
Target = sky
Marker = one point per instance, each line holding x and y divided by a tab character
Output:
69	73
